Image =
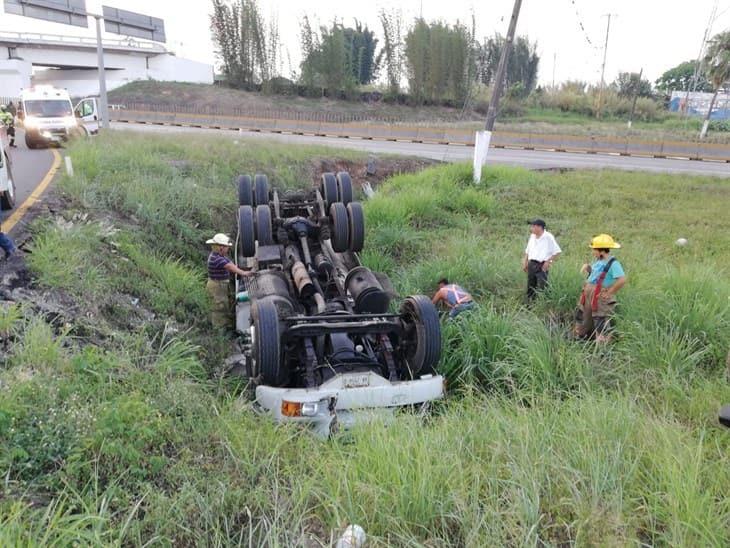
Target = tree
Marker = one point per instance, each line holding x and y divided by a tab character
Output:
327	61
717	63
630	84
361	44
680	78
438	58
247	49
392	52
521	68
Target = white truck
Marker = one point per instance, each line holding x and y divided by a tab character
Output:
319	336
7	184
46	115
87	115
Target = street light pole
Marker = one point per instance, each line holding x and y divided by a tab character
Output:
103	104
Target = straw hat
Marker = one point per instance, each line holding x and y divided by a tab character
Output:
220	239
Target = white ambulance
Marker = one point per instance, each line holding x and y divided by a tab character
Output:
46	115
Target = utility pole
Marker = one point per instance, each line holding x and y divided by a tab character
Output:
482	138
636	96
698	64
603	68
103	104
502	67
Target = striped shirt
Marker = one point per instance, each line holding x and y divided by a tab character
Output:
217	267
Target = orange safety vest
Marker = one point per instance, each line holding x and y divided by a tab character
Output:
599	286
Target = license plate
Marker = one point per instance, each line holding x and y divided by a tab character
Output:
356	381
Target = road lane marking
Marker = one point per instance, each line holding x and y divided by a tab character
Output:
35	195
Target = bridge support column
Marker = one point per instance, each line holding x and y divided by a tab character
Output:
14	75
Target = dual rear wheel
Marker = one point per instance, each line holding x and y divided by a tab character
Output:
254	214
253	192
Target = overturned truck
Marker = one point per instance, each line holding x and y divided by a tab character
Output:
320	336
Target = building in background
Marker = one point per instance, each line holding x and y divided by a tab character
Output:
54	42
696	103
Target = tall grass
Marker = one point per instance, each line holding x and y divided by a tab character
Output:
126	439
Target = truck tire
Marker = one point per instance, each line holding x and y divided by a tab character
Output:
246	232
7	200
344	187
328	189
356	219
30	143
261	189
420	344
263	225
266	349
245	190
339	227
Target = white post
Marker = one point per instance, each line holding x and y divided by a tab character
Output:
69	166
705	126
481	147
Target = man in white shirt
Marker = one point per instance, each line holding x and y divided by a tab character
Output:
541	251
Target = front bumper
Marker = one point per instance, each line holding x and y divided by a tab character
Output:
347	399
50	135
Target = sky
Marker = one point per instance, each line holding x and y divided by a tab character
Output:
652	35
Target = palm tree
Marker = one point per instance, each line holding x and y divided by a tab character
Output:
717	61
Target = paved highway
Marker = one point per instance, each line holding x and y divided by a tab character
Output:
30	168
531	159
33	167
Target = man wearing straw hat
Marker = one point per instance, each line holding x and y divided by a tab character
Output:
220	268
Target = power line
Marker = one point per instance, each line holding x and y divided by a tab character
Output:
580	24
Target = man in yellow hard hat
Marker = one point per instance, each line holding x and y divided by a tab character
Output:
8	120
220	268
598	299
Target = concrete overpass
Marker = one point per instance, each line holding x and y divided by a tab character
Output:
54	42
72	63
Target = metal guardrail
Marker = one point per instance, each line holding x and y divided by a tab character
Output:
86	41
276	114
425	134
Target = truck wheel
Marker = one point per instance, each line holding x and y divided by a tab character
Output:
261	189
339	229
420	345
356	219
246	233
328	189
245	190
344	187
266	345
30	143
263	225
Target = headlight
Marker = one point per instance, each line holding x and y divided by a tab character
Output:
69	121
31	122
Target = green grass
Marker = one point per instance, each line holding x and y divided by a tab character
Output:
115	431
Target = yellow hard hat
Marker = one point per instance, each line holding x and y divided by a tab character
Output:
604	241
